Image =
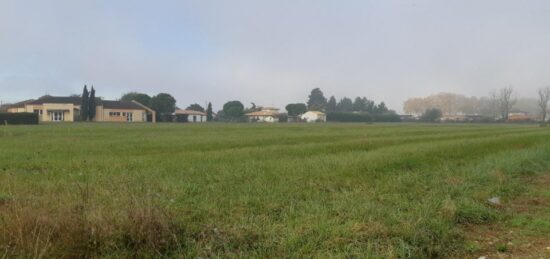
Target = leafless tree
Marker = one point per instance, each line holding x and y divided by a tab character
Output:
494	106
506	101
544	99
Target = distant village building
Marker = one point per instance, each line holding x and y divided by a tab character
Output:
67	109
519	117
190	116
408	118
266	114
314	116
463	118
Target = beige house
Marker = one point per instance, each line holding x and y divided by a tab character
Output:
18	107
266	114
67	109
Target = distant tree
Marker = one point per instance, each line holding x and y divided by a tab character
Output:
506	102
84	105
331	104
431	115
92	105
317	100
370	106
381	108
163	104
209	115
345	105
295	109
195	107
138	97
544	98
233	110
283	117
359	104
253	108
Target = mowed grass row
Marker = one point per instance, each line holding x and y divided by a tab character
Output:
105	190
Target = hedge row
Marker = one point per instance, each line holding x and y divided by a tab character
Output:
18	118
349	117
362	117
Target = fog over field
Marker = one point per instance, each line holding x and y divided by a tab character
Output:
273	52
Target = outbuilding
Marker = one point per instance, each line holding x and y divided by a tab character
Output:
314	116
190	116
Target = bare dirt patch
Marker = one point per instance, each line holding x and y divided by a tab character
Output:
503	240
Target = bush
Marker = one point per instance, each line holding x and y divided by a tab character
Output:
18	118
283	117
349	117
386	117
431	115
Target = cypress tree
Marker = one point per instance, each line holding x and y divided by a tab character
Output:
92	105
84	106
209	116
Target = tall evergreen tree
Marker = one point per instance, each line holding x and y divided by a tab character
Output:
92	105
84	106
369	105
331	104
345	105
381	108
359	104
317	100
209	115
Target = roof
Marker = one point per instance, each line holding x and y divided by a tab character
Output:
263	113
121	105
76	100
316	112
268	108
189	112
19	104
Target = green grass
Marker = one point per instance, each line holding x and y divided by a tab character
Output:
253	190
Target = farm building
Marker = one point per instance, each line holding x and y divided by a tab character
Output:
266	114
189	116
67	109
314	116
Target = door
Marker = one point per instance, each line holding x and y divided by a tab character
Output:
129	117
57	116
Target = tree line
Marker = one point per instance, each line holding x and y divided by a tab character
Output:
234	111
164	104
497	105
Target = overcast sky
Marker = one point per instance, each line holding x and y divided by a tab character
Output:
273	52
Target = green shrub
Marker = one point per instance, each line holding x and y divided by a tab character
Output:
386	117
349	117
18	118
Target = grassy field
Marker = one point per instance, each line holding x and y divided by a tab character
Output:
285	190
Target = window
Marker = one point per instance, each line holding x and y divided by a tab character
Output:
37	111
114	114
